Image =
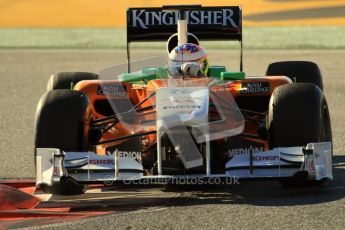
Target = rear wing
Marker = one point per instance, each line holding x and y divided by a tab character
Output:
209	23
206	23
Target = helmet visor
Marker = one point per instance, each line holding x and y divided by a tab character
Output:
175	67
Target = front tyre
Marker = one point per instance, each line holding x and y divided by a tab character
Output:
298	115
59	123
67	80
65	187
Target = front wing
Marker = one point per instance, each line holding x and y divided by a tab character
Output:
87	167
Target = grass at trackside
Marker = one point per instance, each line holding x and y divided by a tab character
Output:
316	37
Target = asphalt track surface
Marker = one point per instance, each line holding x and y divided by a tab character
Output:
23	77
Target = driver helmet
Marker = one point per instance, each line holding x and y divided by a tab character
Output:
187	54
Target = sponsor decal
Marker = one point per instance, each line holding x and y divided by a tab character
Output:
112	90
182	107
183	100
122	154
265	158
245	151
144	19
129	154
255	87
309	165
101	162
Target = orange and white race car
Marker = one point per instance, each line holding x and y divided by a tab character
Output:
141	122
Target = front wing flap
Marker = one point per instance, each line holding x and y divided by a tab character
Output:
315	158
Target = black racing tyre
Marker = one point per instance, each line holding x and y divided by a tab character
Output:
59	124
66	80
297	71
59	120
298	115
65	187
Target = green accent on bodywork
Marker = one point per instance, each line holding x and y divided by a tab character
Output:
215	71
144	75
232	75
220	73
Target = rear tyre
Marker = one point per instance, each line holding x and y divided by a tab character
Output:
66	80
298	115
59	123
297	71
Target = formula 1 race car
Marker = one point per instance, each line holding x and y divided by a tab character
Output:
136	122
